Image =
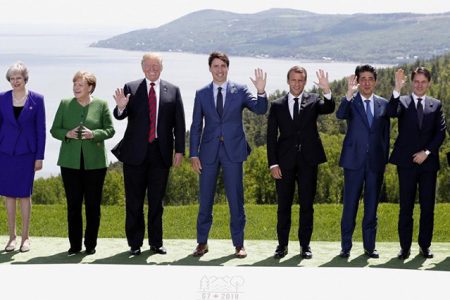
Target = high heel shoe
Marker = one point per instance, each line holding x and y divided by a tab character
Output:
11	246
25	247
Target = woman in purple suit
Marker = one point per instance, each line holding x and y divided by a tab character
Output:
22	144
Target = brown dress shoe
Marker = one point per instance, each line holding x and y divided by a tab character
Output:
200	250
240	252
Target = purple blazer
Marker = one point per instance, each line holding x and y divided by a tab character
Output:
26	135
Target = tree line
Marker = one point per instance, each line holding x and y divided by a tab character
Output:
259	187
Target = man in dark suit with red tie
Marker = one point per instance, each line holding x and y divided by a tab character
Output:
155	125
421	131
294	151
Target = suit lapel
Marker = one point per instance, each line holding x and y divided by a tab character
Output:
231	91
27	109
9	109
163	90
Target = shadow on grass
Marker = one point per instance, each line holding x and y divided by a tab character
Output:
59	258
442	266
7	256
394	263
339	262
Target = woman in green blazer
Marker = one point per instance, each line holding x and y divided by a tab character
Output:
82	124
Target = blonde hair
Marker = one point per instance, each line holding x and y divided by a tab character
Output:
152	55
88	77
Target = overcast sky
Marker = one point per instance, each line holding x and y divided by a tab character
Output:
133	14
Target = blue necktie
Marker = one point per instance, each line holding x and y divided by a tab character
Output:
219	100
369	112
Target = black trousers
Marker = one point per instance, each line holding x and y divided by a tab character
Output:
305	175
409	180
82	184
151	176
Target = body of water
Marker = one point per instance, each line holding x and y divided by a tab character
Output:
53	59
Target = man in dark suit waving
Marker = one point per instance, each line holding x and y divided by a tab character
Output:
221	143
155	123
294	151
364	155
421	131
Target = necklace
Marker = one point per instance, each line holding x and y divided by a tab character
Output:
19	101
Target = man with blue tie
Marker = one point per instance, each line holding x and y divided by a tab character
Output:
364	155
421	131
217	140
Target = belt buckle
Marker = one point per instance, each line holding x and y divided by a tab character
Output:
299	148
221	138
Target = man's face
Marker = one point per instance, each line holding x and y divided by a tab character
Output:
219	71
366	83
420	85
152	68
296	83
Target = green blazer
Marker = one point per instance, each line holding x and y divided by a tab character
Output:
95	116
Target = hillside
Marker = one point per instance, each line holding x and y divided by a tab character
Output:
380	38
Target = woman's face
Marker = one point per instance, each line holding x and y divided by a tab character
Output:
17	81
81	89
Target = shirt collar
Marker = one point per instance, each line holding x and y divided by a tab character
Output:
223	86
157	82
415	97
291	97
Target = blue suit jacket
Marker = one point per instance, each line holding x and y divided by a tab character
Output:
25	135
361	141
204	140
412	139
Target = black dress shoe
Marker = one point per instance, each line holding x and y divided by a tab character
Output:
306	252
345	253
281	251
158	250
90	251
426	253
73	251
372	254
135	251
404	254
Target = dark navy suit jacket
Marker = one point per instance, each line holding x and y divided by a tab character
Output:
362	141
26	135
411	138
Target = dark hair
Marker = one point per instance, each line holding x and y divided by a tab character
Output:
297	69
220	55
365	68
421	70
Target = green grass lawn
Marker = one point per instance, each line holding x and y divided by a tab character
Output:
180	222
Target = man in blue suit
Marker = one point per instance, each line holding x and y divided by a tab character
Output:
421	131
217	139
364	155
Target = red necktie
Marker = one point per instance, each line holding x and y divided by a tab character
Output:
152	112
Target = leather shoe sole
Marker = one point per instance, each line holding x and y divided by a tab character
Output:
426	253
240	252
372	254
158	250
136	251
280	252
200	250
403	254
344	254
306	253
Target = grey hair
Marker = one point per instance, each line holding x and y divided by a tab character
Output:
18	67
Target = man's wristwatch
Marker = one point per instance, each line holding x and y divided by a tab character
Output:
427	152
